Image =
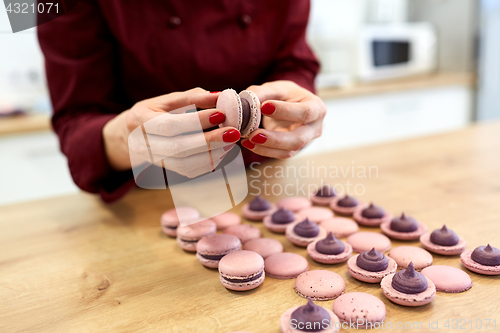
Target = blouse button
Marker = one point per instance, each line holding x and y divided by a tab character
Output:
245	20
174	22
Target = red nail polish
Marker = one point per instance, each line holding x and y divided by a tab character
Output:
231	136
215	92
217	118
227	148
268	109
247	144
259	139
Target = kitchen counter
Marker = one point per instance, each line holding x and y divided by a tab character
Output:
73	264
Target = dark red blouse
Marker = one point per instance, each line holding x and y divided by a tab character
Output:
105	55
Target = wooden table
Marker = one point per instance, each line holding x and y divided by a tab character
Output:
73	264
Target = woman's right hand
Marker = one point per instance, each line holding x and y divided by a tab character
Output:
175	139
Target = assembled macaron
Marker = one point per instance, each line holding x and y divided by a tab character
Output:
242	111
408	287
329	250
443	241
403	228
345	205
304	232
371	266
323	196
403	255
285	265
280	219
257	209
241	270
360	310
170	220
371	216
211	249
319	285
309	318
483	260
316	214
188	236
294	203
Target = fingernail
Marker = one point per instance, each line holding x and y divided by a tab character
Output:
268	109
259	138
247	144
231	136
215	92
217	118
226	148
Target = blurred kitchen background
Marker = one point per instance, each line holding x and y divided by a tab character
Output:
391	69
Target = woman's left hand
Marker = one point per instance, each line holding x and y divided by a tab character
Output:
293	116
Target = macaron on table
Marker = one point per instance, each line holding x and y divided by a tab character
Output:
73	263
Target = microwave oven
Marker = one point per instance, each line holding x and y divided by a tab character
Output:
396	50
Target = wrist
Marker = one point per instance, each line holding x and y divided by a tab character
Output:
115	136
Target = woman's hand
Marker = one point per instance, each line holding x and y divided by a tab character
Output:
175	139
294	117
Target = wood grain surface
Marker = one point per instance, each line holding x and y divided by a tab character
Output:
74	264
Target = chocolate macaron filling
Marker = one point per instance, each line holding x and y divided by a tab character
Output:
306	229
325	192
486	255
259	205
310	317
330	245
252	278
283	216
444	237
347	202
409	281
245	112
404	224
372	261
213	257
169	227
373	212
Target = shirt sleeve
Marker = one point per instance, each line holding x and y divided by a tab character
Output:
295	60
81	68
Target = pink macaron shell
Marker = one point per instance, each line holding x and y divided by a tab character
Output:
340	226
278	228
302	241
286	327
315	214
403	255
365	241
329	258
244	232
344	211
257	215
189	235
448	279
263	246
400	298
425	239
355	306
366	276
476	267
285	265
255	114
370	222
226	219
294	203
217	244
241	265
319	285
321	201
229	102
386	229
170	219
